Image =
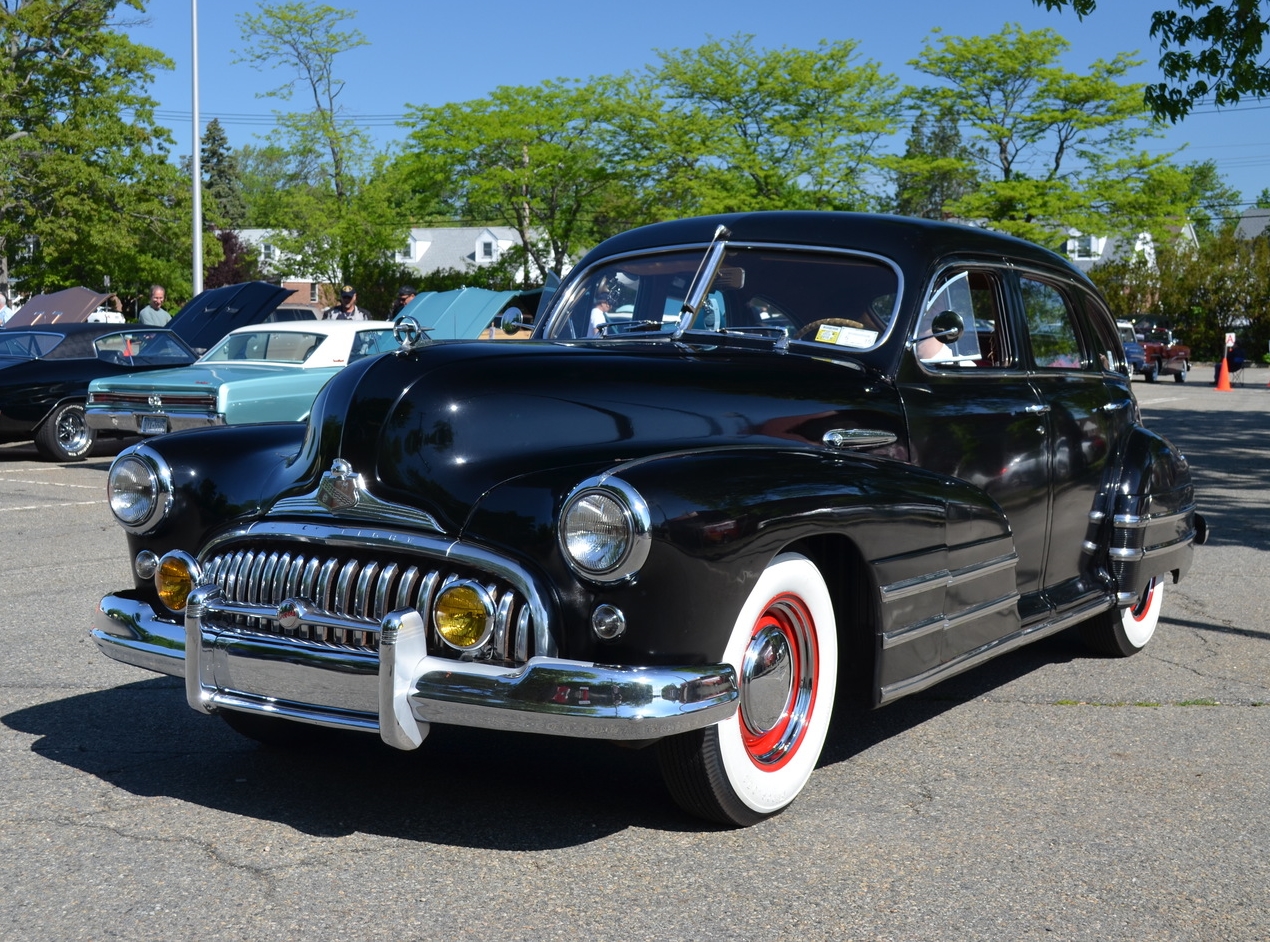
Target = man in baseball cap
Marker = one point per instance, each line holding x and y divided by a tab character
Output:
347	309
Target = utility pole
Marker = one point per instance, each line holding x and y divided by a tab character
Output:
196	160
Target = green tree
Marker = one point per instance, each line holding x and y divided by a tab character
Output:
333	217
86	192
1216	51
772	128
1263	198
936	169
223	179
532	158
1057	149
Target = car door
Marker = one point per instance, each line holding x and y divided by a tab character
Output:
974	414
1078	373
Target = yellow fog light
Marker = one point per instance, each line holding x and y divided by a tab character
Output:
463	614
175	579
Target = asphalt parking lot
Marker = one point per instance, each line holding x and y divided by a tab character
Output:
1048	795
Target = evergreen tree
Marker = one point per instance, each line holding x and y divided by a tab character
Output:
222	179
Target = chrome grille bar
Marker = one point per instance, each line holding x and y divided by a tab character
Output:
346	597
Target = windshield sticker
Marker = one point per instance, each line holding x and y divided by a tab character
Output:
846	336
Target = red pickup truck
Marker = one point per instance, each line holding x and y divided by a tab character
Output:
1164	355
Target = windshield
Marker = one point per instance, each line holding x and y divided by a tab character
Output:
819	297
275	346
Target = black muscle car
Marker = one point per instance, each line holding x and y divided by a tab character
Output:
746	465
45	368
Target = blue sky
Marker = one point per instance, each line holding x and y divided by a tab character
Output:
423	53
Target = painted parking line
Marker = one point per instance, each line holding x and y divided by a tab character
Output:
86	487
72	503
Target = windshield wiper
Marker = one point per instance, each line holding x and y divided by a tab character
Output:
699	290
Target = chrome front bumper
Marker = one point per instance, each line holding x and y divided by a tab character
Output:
103	420
400	690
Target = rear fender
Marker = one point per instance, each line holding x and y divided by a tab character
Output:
1148	518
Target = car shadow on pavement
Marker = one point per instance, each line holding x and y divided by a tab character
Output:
464	787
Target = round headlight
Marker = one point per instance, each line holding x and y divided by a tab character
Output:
463	614
133	490
139	489
175	579
604	530
596	532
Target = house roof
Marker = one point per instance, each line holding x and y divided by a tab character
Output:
1252	223
455	247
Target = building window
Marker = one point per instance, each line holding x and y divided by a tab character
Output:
267	252
487	250
406	254
1086	247
313	292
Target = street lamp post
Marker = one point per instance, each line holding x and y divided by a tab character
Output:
196	167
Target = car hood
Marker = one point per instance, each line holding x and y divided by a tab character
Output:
196	378
216	312
441	426
68	306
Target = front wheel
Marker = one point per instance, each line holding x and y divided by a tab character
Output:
1122	632
1180	375
65	434
784	647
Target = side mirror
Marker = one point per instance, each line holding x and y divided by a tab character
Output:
947	327
513	321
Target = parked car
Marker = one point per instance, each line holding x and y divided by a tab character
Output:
262	373
1134	354
826	457
1165	355
45	368
45	372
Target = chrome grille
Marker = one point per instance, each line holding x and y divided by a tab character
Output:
355	592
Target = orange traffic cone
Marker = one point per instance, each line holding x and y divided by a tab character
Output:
1223	376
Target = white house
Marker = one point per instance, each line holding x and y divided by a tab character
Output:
462	248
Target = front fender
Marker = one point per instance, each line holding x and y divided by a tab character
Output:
248	461
720	516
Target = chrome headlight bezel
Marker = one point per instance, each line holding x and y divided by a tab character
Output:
624	561
159	475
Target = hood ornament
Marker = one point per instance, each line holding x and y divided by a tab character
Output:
407	332
339	487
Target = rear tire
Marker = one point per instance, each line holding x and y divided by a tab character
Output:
1180	375
1149	372
1123	632
784	648
65	435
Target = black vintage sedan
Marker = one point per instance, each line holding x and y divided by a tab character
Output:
45	369
747	465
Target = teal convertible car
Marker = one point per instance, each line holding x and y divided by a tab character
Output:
265	373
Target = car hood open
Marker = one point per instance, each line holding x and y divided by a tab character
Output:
214	313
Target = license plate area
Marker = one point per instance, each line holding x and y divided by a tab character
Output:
153	424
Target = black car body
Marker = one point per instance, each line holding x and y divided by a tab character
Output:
45	369
801	456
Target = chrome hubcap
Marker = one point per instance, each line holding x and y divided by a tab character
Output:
768	676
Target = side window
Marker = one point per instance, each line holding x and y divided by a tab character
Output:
1102	328
977	296
1051	326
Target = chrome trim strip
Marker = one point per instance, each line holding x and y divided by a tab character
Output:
990	650
947	578
945	622
104	421
858	438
